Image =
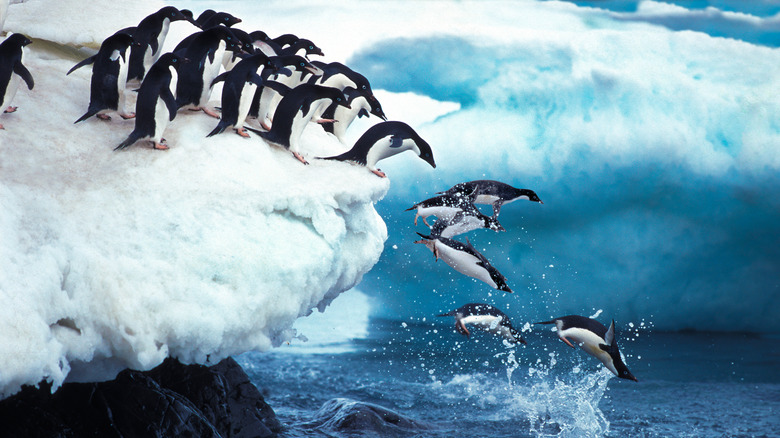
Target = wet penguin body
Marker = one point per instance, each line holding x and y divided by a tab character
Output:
238	90
444	207
205	52
493	193
468	218
12	70
150	35
485	317
294	112
384	140
595	339
465	259
156	104
109	77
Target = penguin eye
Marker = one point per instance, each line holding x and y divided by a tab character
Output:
311	47
364	87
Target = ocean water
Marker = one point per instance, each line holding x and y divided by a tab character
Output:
690	384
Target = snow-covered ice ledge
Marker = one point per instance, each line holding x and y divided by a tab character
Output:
120	259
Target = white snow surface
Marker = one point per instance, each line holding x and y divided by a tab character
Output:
120	259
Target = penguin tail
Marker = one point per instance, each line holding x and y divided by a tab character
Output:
424	236
450	313
90	112
132	138
218	130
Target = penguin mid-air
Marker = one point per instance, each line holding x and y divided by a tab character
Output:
594	339
384	140
493	193
485	317
444	207
465	259
469	218
12	70
205	52
150	35
239	88
156	105
109	77
294	112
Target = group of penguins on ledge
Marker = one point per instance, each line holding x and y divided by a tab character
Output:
456	213
272	80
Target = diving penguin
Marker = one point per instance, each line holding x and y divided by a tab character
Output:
493	193
485	317
384	140
594	339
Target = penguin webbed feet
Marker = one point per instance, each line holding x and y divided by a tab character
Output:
242	132
567	342
127	116
11	109
300	158
104	117
379	173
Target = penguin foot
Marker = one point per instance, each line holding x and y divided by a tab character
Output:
300	158
567	342
127	116
2	128
161	146
425	221
379	173
242	132
321	121
209	112
105	117
265	125
11	109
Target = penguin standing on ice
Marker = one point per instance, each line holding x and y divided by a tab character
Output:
493	193
594	339
294	112
465	259
239	88
150	35
12	70
485	317
359	106
109	77
205	52
156	104
384	140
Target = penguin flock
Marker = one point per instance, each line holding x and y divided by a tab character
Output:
270	87
456	213
272	83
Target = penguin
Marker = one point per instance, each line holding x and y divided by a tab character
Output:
594	339
485	317
240	85
263	97
156	104
469	218
444	207
336	74
109	77
493	193
465	259
204	51
342	117
294	113
150	35
208	20
12	70
383	140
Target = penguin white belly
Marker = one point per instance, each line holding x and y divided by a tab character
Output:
121	82
271	101
441	212
245	102
465	225
161	115
211	71
486	199
336	81
464	263
487	322
300	122
166	24
381	150
10	91
589	342
346	116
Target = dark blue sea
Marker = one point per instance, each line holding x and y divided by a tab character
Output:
690	385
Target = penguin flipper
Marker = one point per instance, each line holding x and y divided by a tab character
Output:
170	102
25	74
546	322
153	45
87	61
256	79
278	87
609	337
396	141
219	78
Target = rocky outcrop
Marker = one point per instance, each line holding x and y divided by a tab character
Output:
172	400
345	415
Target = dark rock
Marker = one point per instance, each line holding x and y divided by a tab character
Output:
172	400
345	415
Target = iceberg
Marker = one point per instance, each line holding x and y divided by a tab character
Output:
120	259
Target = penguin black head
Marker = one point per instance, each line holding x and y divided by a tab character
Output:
172	59
530	194
222	18
425	151
308	46
173	14
16	40
611	348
